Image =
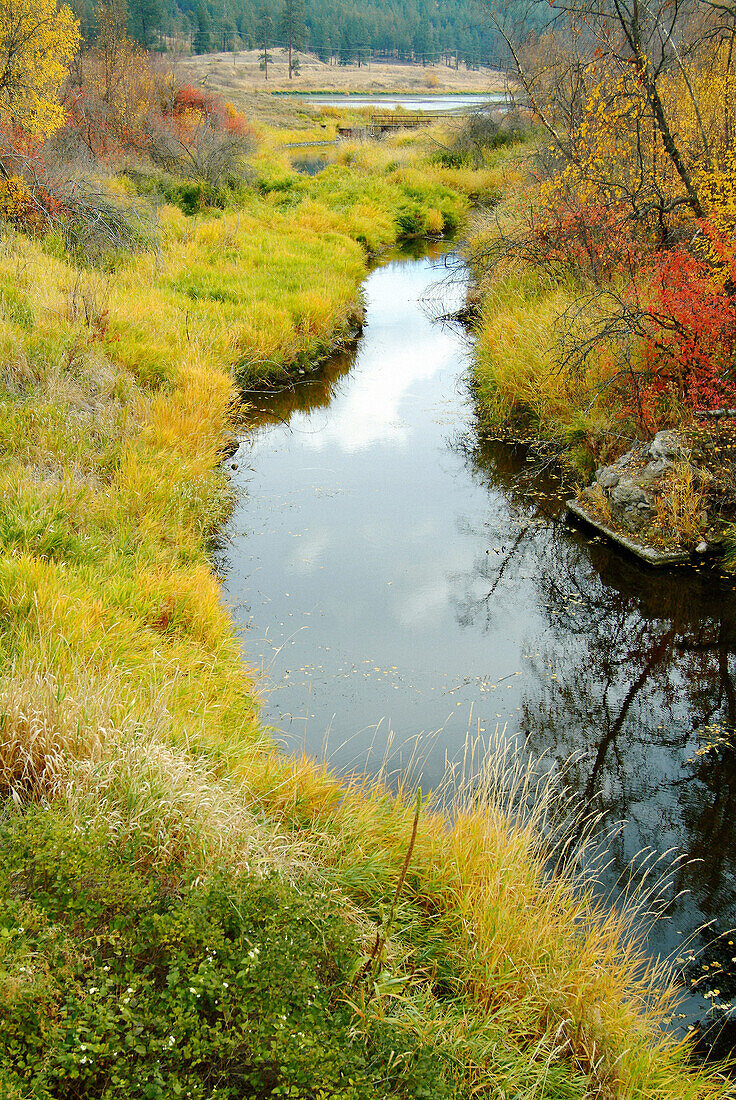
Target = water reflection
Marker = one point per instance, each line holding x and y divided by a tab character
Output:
633	677
403	580
315	391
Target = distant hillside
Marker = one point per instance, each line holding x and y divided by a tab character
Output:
341	31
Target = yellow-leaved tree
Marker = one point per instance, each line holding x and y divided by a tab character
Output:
38	40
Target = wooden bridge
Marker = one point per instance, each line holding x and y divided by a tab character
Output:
383	122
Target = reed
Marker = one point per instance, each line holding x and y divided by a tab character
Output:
516	368
680	506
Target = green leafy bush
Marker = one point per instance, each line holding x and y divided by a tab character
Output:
120	981
410	220
190	195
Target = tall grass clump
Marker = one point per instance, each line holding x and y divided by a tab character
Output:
519	378
680	506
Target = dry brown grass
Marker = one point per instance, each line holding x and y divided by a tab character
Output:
45	727
597	503
239	73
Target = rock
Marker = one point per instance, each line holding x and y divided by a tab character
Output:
634	520
608	477
627	490
652	472
628	493
702	547
669	446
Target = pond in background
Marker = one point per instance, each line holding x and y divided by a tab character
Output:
408	102
407	585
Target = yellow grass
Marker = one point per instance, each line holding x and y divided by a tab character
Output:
680	506
517	365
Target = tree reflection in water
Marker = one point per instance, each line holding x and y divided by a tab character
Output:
628	672
276	404
634	679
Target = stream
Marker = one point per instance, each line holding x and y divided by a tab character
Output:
409	586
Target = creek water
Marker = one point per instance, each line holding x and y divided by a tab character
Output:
407	584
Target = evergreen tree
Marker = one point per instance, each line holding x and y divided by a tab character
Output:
407	29
265	29
292	28
84	11
144	21
202	39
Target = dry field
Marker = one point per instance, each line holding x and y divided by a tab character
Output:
239	74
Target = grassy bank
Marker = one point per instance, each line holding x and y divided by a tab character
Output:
185	911
524	312
561	361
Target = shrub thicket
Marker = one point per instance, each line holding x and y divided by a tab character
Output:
120	981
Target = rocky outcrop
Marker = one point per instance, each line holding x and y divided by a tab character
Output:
653	501
628	488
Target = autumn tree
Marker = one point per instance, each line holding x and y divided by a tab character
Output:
115	92
637	198
637	98
38	40
113	46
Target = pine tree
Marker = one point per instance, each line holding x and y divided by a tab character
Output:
292	28
202	41
265	25
144	19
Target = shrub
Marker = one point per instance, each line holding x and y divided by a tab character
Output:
188	98
121	982
96	223
480	133
200	137
42	191
17	204
410	220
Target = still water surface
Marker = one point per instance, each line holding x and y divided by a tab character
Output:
407	584
450	103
